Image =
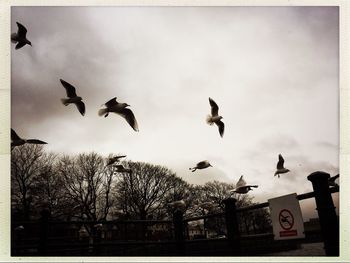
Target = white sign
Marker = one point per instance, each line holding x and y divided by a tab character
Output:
287	220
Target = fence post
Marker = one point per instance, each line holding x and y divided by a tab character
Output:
179	232
326	212
97	236
44	230
233	235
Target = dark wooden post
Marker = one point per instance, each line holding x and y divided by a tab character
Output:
233	235
179	232
326	212
44	231
97	236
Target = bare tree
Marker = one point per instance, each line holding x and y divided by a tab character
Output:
27	163
47	187
143	191
87	184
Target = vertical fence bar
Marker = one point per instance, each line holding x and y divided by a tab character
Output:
326	212
44	230
179	232
233	235
97	236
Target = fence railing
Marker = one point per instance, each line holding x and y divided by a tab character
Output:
91	239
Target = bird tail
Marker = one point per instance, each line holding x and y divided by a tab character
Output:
102	112
65	102
209	120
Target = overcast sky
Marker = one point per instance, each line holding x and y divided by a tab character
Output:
273	71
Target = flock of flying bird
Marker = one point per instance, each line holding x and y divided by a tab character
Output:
121	109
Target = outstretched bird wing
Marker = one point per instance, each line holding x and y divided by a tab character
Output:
69	89
81	107
22	31
280	164
129	117
111	102
14	136
214	107
221	126
34	141
19	45
241	182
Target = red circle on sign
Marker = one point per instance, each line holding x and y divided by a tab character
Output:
286	219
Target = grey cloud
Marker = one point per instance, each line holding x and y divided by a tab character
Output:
327	145
57	52
278	142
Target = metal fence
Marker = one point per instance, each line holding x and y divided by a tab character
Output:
173	237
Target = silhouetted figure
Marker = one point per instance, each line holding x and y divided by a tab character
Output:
72	97
201	165
215	118
120	108
17	141
20	37
242	187
280	166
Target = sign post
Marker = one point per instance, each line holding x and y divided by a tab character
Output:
287	220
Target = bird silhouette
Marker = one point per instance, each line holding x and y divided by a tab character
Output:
201	165
119	168
280	166
242	187
114	159
18	141
120	108
215	118
20	37
72	97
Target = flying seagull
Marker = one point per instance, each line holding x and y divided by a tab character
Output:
280	166
215	118
201	165
17	141
242	187
72	97
114	159
331	180
120	108
121	169
20	37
